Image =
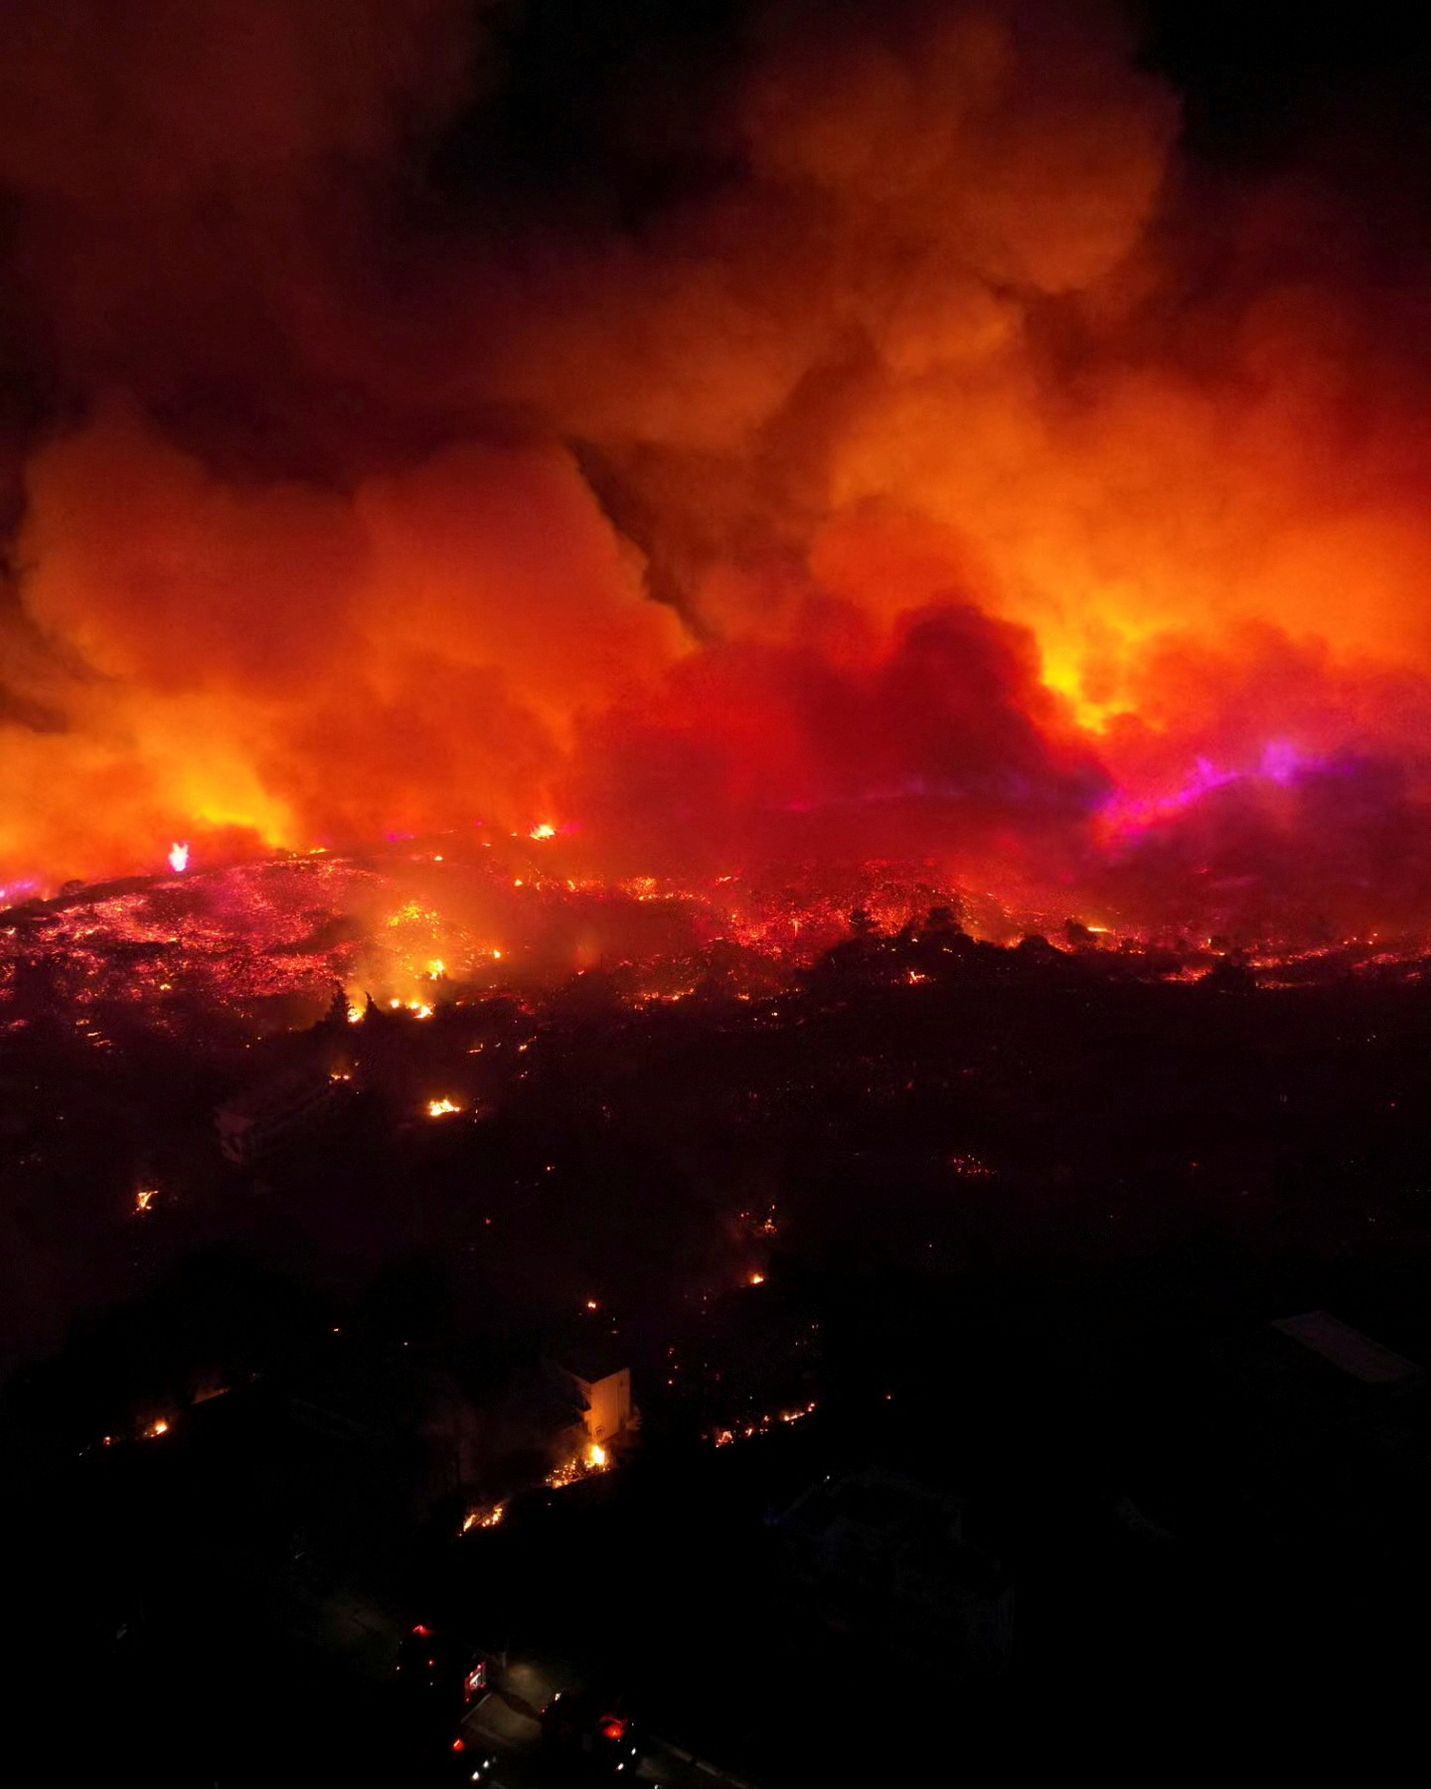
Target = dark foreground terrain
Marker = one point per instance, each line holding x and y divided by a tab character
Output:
950	1284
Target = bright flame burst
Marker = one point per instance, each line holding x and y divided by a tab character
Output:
487	1515
418	1008
178	858
441	1108
545	831
592	1459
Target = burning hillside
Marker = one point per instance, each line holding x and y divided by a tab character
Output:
265	943
417	927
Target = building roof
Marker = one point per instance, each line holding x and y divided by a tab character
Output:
592	1359
279	1094
1348	1349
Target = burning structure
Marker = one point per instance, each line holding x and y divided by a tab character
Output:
603	1395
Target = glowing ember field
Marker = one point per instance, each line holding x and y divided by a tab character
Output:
265	942
414	929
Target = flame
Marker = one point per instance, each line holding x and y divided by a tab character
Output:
442	1108
418	1008
178	858
764	1424
593	1458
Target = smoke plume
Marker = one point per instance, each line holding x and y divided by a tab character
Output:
815	432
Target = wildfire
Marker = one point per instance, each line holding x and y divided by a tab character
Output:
144	1200
155	1429
246	933
442	1108
592	1459
418	1008
762	1425
485	1515
1189	585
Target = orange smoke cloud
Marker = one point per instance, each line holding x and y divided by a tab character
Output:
939	464
297	661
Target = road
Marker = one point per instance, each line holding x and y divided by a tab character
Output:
505	1725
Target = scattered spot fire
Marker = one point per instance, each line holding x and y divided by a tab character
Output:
765	1424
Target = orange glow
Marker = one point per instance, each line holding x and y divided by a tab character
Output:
442	1108
948	485
593	1458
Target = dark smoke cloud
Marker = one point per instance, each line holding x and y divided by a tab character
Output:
940	737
